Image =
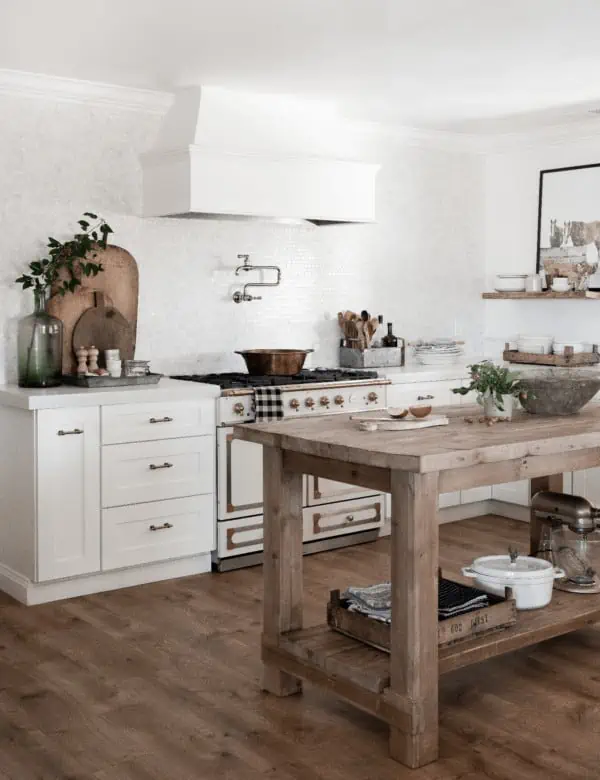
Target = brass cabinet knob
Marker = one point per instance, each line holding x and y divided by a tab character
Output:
339	400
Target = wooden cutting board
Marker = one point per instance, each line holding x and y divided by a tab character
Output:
119	282
370	423
105	328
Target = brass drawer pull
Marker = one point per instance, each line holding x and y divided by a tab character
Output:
349	518
74	432
162	527
165	465
425	397
161	419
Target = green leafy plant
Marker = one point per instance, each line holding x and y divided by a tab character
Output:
488	379
68	261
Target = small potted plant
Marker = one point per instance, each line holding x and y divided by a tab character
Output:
40	334
496	387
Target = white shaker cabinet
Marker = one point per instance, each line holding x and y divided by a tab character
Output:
68	492
104	489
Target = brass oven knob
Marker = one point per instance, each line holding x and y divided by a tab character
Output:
324	401
310	402
339	400
238	408
295	403
373	397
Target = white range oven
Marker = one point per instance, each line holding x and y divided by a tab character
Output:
334	514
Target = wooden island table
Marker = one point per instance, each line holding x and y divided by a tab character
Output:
414	466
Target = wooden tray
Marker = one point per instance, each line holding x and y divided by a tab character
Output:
502	614
110	381
570	358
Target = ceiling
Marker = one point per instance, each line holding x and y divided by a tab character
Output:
450	64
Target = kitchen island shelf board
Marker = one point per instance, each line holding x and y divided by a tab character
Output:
572	295
402	688
350	660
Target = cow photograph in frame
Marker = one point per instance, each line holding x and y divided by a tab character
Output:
568	241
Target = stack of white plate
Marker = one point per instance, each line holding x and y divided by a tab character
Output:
438	352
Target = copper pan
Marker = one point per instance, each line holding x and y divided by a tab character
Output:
284	362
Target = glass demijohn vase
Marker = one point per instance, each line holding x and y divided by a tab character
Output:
39	343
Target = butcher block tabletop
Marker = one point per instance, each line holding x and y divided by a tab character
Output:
457	445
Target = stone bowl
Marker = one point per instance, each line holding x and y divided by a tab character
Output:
558	393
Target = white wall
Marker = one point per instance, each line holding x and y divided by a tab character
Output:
421	265
511	187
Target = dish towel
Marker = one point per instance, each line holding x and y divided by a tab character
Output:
268	404
453	599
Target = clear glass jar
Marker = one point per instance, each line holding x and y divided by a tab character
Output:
40	343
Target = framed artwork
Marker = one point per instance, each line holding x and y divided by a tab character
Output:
569	224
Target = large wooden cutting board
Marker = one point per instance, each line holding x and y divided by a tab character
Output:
120	284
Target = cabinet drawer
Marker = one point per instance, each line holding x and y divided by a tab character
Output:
145	533
327	491
146	422
343	518
157	470
238	537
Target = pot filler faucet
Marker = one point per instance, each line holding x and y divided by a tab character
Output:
240	297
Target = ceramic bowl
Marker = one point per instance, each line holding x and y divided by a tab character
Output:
510	282
397	412
419	411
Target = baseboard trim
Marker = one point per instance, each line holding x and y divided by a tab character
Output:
31	593
453	514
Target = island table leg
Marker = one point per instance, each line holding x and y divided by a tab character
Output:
414	629
551	482
282	568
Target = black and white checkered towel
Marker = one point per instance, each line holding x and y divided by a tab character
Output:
453	599
268	403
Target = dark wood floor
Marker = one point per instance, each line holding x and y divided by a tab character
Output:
162	682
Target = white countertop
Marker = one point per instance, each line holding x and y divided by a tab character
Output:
65	395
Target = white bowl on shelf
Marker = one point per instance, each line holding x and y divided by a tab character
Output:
535	345
510	282
559	347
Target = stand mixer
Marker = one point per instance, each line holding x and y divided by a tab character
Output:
569	533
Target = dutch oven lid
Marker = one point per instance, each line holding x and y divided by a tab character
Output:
505	568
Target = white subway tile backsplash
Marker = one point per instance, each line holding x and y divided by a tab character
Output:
421	265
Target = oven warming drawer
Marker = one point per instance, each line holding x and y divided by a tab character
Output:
242	536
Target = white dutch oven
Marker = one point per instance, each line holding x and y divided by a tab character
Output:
531	579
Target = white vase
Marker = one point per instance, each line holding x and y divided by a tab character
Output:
490	409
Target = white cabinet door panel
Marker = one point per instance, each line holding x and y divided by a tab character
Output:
512	492
586	483
68	492
240	476
422	393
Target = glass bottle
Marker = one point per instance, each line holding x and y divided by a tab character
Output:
389	340
39	346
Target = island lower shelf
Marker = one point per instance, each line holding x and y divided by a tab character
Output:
360	673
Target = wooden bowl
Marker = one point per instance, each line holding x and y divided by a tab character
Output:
420	411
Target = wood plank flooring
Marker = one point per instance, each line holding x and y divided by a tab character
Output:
161	682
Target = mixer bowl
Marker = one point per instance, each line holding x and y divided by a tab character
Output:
558	392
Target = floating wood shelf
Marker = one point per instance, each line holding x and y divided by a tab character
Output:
540	296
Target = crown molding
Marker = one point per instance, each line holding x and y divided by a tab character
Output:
42	87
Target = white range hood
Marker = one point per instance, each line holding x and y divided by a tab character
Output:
222	153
